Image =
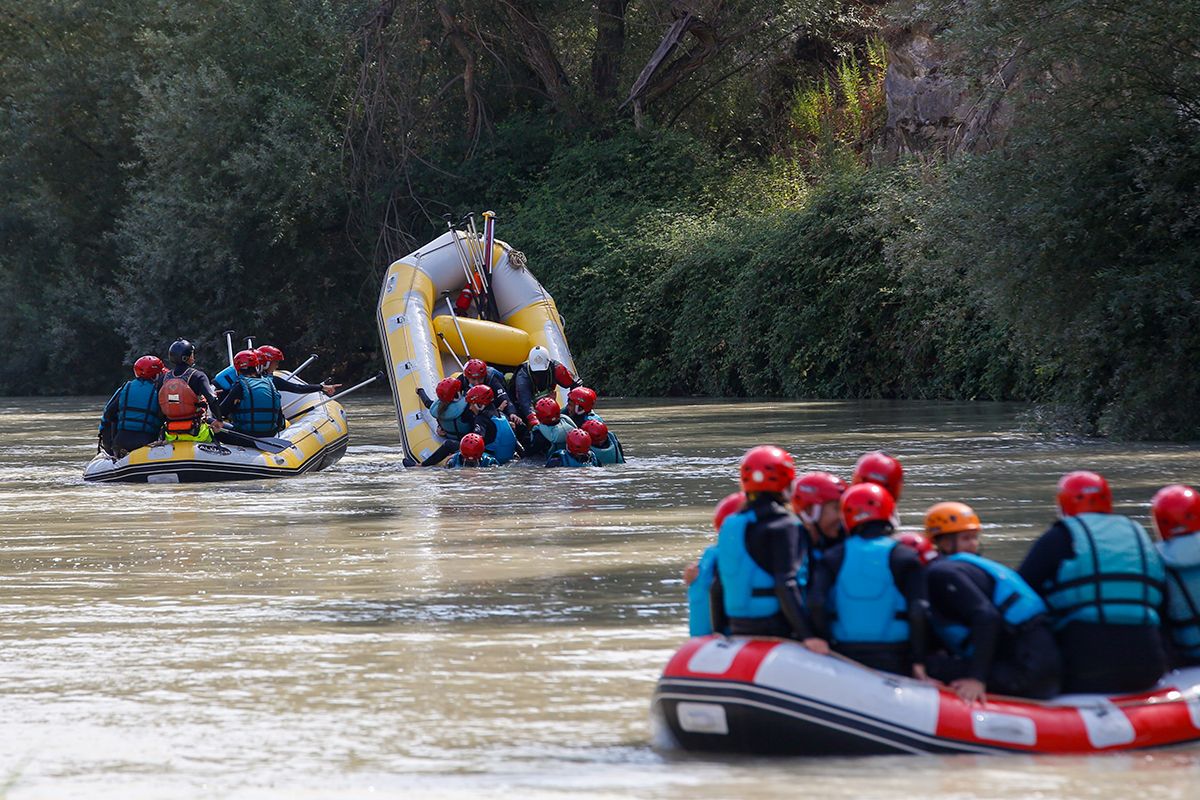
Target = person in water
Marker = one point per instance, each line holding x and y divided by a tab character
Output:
488	422
471	454
1103	581
868	593
576	453
1176	513
186	399
538	377
581	402
550	432
270	357
452	418
252	404
760	548
699	577
132	419
605	444
476	372
995	627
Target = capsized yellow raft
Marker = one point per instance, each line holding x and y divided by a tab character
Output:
425	337
316	439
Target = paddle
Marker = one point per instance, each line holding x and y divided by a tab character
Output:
268	444
340	394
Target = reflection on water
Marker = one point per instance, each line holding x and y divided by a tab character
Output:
454	634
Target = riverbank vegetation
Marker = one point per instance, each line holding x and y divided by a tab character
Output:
706	187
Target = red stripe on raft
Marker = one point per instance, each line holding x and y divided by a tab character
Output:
744	667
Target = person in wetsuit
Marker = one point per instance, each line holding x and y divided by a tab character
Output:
759	550
816	502
1176	513
1103	581
538	377
605	445
700	576
131	418
995	627
453	418
186	398
252	404
576	453
498	436
471	454
270	357
867	594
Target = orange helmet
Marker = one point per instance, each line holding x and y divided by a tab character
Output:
471	446
950	517
728	505
767	468
815	488
148	367
866	502
1176	511
480	395
547	410
1081	492
878	467
579	442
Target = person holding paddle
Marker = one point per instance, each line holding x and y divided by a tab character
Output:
252	403
270	358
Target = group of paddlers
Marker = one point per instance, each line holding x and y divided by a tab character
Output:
1095	606
487	421
179	403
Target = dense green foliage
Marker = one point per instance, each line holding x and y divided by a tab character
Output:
717	222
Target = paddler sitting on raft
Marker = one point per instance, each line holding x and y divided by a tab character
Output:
269	359
252	404
186	398
131	418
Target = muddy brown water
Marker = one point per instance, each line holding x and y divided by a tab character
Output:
371	631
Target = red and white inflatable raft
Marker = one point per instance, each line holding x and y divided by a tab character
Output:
770	696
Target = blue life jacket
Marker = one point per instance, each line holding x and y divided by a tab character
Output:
485	460
137	407
867	606
450	417
567	459
556	435
1116	577
1182	557
1012	596
749	589
225	379
699	612
257	413
611	453
504	445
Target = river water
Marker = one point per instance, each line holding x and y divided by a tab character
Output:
371	631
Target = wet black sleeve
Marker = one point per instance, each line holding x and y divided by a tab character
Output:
284	385
820	584
963	593
785	558
200	385
112	409
523	393
231	398
1040	566
909	575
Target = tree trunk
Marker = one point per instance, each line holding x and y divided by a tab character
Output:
538	52
610	46
458	40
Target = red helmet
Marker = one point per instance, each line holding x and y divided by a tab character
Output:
471	446
767	468
148	367
878	467
597	430
448	389
475	369
270	353
866	502
579	442
583	397
246	359
1176	510
480	395
916	541
815	488
729	505
547	411
1082	491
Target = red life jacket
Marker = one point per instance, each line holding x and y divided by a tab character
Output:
181	407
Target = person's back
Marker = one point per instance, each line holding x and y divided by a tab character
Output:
1102	580
550	432
132	418
499	438
471	454
867	593
605	444
576	453
186	398
1176	513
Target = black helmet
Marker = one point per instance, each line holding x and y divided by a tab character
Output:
180	349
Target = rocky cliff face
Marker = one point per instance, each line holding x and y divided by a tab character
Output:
932	111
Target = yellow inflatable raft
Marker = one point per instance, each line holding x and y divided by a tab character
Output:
312	442
425	337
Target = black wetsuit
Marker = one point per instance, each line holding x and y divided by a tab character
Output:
496	381
776	543
1097	657
115	441
1021	661
198	382
909	576
285	385
527	385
